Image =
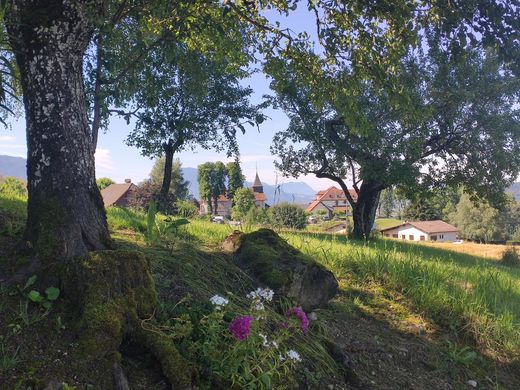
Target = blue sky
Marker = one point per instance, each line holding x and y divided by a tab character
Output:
118	161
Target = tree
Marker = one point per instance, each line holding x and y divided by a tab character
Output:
104	182
186	208
187	100
178	187
235	178
387	202
243	200
212	183
421	210
288	215
430	133
479	222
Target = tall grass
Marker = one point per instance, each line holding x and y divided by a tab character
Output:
120	219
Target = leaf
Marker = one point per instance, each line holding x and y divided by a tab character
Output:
35	296
47	305
52	293
30	281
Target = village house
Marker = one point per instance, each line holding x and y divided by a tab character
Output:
423	231
224	204
122	195
332	200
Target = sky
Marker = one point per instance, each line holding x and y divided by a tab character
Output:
116	160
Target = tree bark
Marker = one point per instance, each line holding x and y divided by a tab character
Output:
167	176
66	217
364	209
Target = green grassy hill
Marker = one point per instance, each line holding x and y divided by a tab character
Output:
407	316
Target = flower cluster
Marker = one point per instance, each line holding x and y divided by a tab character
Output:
266	343
218	301
240	327
300	314
259	297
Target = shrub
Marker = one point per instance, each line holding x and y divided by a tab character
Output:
104	182
244	200
13	187
510	257
288	215
186	209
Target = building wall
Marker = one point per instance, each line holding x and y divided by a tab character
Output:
223	209
411	233
128	199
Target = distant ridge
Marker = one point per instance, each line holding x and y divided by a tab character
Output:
13	166
293	192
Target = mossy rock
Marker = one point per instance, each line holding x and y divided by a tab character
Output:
113	292
273	262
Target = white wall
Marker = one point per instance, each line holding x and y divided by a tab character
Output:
407	230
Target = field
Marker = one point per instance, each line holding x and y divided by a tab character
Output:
409	316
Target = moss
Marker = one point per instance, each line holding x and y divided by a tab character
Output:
115	291
269	257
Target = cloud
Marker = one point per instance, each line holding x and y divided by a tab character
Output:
7	138
104	159
11	146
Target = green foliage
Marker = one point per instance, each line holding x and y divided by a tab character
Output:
287	215
212	183
235	178
13	188
104	182
44	300
178	186
186	208
387	203
244	200
421	210
151	235
123	218
479	222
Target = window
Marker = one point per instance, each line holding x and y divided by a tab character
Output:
387	235
433	238
395	235
403	237
422	238
441	236
411	237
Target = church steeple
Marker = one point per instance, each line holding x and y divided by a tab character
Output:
257	185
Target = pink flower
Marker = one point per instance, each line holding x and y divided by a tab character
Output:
240	327
300	314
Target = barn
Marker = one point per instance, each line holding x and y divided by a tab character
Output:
423	231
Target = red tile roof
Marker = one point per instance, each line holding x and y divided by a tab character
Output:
260	196
436	226
331	193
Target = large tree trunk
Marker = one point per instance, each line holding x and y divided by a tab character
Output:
66	217
364	210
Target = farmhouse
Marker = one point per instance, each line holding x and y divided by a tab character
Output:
423	231
224	204
120	194
331	200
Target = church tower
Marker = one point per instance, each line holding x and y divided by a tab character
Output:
257	185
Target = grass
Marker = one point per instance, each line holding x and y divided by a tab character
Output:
13	212
384	223
120	218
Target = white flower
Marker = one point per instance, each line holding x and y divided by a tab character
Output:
264	294
258	306
293	355
275	344
265	342
218	301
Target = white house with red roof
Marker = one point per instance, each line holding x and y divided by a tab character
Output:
423	231
331	200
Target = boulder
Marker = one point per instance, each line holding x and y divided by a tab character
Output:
273	262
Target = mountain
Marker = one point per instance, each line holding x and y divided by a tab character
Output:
13	166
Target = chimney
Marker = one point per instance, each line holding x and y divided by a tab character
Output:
128	180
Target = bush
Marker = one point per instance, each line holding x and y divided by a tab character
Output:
510	257
13	187
244	200
104	182
186	209
288	216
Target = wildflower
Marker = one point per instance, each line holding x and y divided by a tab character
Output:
218	301
300	314
294	356
240	327
261	294
258	306
265	342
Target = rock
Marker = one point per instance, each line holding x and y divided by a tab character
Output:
232	242
120	381
53	385
472	383
273	262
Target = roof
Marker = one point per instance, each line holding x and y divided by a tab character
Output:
257	182
259	196
114	192
331	193
436	226
221	198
